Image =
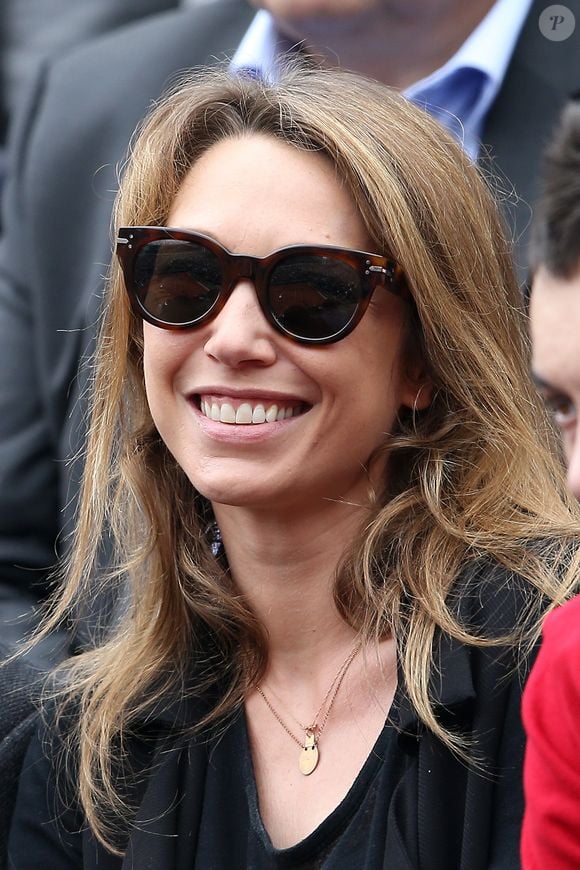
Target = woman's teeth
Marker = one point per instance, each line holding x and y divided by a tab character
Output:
246	412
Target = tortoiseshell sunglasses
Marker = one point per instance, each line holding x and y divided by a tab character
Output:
313	294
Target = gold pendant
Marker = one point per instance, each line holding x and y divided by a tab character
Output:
309	755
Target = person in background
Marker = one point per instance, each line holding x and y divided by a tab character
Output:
555	297
33	35
551	707
332	497
482	67
35	31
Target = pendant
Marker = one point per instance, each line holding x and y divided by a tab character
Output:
309	754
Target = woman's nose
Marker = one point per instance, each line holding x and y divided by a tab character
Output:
240	335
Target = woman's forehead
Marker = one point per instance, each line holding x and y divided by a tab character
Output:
256	194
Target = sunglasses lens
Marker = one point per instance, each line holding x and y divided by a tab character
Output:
177	282
314	297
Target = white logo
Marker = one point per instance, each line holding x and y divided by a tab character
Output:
557	23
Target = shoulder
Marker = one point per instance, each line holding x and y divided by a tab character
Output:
19	686
47	821
158	46
49	827
487	597
83	108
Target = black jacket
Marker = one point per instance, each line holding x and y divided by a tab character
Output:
443	815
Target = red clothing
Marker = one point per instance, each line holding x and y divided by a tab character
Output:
551	713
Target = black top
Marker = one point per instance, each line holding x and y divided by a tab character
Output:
231	832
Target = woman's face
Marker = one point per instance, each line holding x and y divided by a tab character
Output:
254	195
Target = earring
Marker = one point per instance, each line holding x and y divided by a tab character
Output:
214	534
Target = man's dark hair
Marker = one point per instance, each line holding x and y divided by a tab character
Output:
556	232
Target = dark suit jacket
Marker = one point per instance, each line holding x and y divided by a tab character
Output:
56	247
443	814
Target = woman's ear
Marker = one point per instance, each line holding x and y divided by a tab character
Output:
417	393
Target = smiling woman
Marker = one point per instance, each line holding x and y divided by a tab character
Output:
332	497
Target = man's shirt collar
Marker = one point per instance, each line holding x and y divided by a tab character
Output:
459	94
260	48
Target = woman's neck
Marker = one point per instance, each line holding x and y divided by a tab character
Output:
285	568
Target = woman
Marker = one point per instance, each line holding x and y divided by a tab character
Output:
327	481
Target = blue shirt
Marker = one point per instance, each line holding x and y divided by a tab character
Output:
459	94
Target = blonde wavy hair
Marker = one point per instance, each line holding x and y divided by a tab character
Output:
475	476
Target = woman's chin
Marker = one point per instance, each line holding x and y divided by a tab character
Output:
236	494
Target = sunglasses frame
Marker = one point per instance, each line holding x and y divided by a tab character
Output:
374	269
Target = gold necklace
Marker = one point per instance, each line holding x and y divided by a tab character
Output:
309	751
